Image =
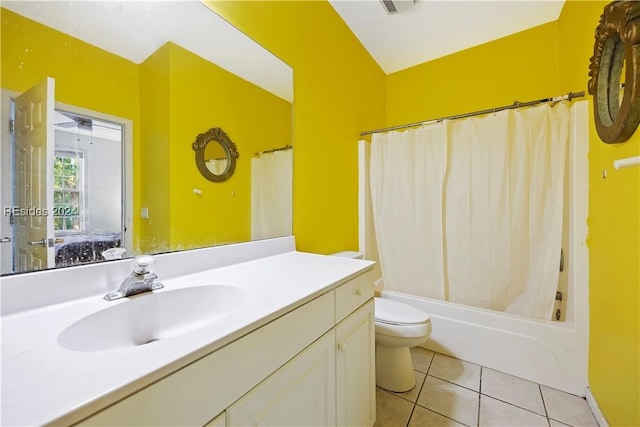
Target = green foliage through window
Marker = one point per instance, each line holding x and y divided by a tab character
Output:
67	191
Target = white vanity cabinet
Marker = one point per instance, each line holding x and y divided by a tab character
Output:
332	382
311	366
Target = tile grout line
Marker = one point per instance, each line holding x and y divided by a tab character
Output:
544	405
442	415
479	396
517	406
456	384
426	374
413	409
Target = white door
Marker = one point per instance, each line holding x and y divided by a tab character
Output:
33	183
6	181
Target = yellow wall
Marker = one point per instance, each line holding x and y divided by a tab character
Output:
154	171
85	76
339	91
520	67
183	95
204	96
545	61
614	238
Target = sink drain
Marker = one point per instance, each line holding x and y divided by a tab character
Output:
150	341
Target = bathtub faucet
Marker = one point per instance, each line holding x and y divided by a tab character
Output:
141	280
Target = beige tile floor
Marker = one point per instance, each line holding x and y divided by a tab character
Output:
452	392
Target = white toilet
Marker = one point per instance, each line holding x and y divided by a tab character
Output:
399	326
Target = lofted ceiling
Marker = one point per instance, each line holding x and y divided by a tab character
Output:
433	29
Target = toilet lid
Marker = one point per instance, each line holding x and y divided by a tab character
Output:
390	311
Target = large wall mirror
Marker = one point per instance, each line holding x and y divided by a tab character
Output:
101	102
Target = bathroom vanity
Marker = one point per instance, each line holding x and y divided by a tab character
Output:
292	343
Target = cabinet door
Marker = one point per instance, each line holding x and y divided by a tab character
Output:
301	393
355	369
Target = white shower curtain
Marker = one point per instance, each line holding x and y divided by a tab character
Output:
470	211
271	195
407	180
217	166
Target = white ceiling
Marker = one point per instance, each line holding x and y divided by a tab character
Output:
136	29
432	29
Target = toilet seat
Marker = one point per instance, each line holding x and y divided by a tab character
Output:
393	312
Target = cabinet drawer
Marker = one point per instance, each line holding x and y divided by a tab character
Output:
353	294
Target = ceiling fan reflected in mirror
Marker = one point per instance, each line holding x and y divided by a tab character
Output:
68	122
395	6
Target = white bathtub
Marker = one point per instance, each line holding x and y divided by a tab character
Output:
547	352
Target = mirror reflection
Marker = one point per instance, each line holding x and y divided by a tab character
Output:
87	190
215	158
105	168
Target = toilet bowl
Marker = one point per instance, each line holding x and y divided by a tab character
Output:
398	327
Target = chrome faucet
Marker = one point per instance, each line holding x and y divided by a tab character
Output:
141	280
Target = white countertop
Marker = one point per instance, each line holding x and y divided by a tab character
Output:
44	383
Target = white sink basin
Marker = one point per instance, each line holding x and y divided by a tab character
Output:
149	317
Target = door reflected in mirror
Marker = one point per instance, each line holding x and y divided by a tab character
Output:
107	196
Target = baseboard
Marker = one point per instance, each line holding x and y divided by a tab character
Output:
595	409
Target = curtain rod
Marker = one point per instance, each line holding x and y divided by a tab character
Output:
286	147
516	104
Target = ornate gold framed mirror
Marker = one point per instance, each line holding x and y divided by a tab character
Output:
216	155
614	70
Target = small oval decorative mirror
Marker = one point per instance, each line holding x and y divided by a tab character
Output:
615	71
216	155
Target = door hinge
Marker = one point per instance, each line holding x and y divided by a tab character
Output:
12	125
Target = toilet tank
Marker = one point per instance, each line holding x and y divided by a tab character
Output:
349	254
